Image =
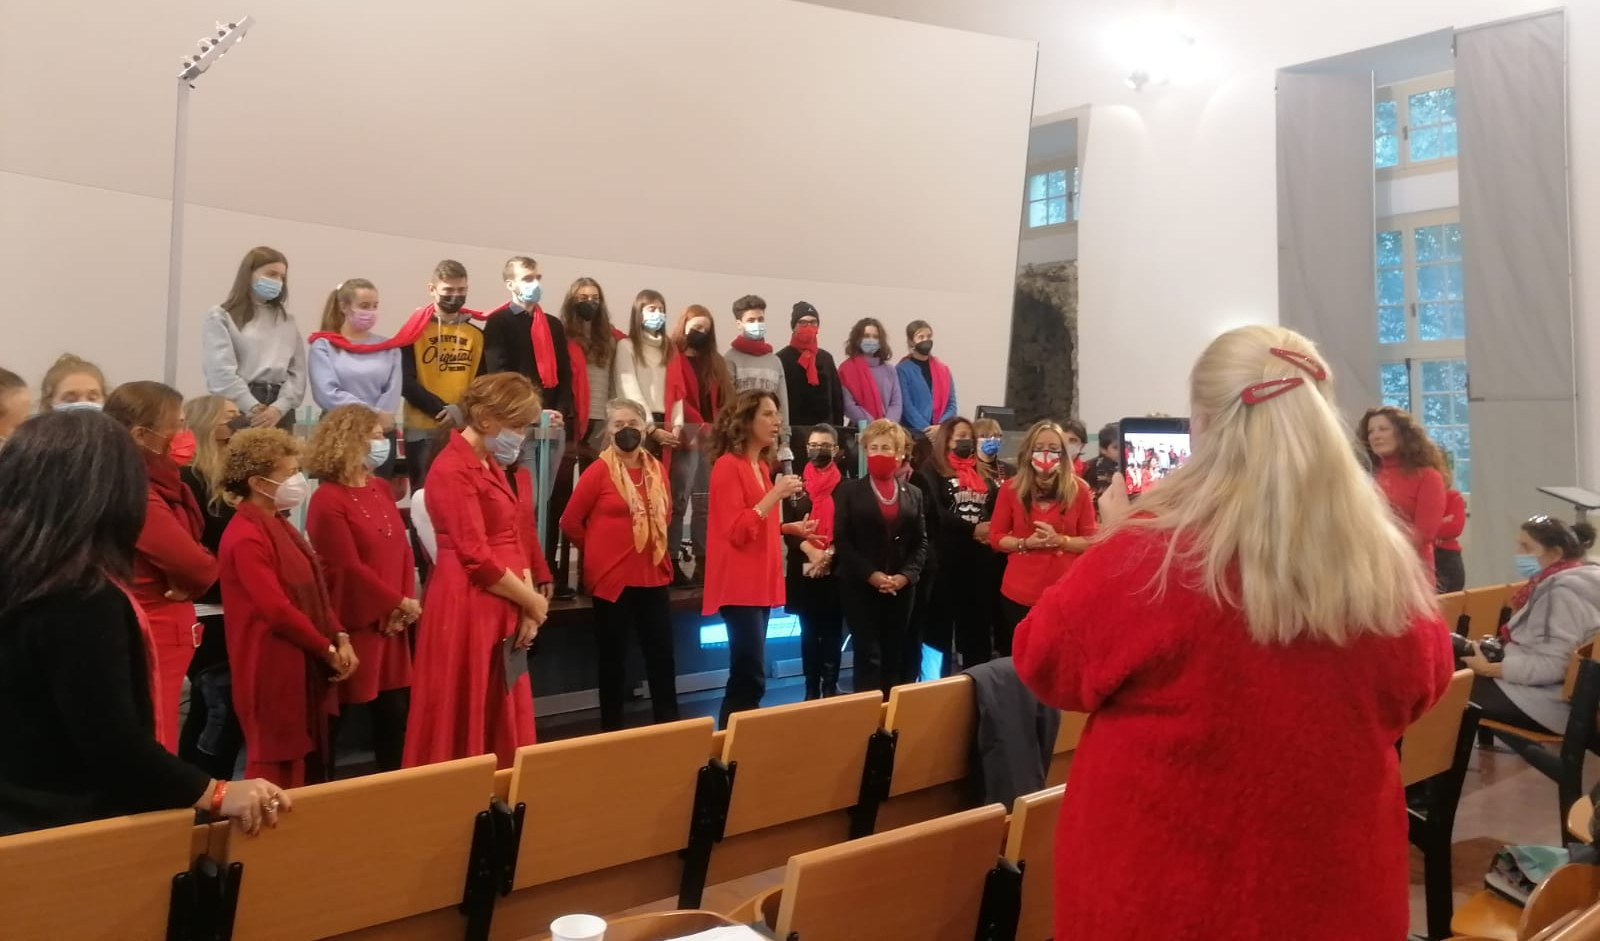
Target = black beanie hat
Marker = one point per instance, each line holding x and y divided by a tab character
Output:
802	309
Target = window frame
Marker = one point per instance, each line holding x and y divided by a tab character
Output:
1073	196
1400	93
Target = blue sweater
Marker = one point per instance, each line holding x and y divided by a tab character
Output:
916	397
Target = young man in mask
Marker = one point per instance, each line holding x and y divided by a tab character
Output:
438	364
927	390
1104	467
810	373
753	365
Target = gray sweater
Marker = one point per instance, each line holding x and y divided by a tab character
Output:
764	373
1562	614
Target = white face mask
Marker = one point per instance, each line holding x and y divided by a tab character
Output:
290	493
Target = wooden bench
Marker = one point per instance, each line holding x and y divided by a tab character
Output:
1030	846
1434	754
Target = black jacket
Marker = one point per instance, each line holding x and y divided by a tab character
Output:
78	740
820	404
508	347
861	541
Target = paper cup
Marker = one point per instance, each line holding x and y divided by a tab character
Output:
578	928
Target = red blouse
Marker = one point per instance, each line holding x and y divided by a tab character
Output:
1029	573
744	554
598	521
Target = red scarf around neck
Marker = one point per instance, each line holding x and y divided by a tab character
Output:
967	475
683	385
751	347
855	374
580	382
410	333
820	485
941	385
805	340
167	483
1521	596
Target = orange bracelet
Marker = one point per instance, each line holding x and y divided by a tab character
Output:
216	798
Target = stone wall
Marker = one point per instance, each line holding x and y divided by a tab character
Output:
1042	371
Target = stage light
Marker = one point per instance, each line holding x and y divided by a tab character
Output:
213	47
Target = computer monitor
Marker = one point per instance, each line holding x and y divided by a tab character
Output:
1006	418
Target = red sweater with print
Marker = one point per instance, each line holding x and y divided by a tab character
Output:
1220	751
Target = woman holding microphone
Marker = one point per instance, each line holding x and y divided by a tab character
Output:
490	586
744	563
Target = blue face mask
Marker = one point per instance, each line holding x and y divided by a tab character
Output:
529	294
756	330
506	446
654	320
869	346
267	289
1527	565
990	447
377	453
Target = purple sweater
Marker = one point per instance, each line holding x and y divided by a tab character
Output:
888	382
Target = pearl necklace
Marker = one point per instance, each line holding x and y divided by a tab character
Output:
894	493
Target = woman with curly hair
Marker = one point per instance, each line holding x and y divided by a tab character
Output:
744	564
1410	470
357	532
284	638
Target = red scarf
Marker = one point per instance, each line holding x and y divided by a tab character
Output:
683	385
819	487
409	334
805	340
751	347
941	386
152	669
580	382
1522	594
166	483
967	475
855	374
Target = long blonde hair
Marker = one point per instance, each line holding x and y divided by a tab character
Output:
201	415
1063	487
1273	511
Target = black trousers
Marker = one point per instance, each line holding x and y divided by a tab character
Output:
388	718
1011	614
821	637
648	613
1496	705
964	606
747	658
1451	573
886	647
211	738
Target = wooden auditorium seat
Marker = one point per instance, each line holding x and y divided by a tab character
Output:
797	776
1434	754
1483	608
923	882
1030	845
107	879
1451	607
933	724
1067	739
385	852
606	818
1569	889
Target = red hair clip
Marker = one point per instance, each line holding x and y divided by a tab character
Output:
1301	361
1271	389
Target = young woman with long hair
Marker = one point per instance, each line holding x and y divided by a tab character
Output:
643	358
251	351
1253	593
961	500
698	384
1411	472
350	363
871	384
1043	518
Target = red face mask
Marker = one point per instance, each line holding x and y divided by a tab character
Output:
181	448
882	466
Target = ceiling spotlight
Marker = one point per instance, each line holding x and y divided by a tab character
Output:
1155	50
214	47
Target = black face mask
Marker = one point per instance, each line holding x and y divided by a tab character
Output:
627	440
239	423
965	448
821	459
451	303
588	310
924	348
698	339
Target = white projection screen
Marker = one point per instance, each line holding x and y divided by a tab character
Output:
704	148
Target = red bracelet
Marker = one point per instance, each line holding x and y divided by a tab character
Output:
216	798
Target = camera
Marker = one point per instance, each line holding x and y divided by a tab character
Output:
1493	649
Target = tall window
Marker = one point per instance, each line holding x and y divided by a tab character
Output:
1422	329
1414	124
1053	197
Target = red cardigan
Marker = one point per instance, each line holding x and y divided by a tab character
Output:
598	521
1195	728
169	555
1417	497
1029	573
1455	520
744	554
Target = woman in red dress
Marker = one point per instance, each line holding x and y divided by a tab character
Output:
170	566
356	529
284	640
1043	518
1411	472
1255	592
489	589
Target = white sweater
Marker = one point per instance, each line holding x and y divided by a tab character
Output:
645	383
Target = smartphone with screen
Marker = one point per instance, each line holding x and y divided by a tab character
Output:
1152	448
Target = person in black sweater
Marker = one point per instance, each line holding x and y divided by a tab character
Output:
211	738
880	546
810	586
77	675
815	396
961	499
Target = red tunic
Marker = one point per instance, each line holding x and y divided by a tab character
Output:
744	554
598	521
1028	574
459	704
1417	498
1270	771
1454	521
169	556
275	652
366	558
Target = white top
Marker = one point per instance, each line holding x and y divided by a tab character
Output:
645	383
423	525
267	349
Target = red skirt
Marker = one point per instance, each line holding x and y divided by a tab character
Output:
385	665
460	706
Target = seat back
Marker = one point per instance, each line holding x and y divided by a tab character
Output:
1584	652
798	761
1451	607
109	879
934	723
921	881
1482	607
362	852
1030	843
1067	739
1568	889
1578	926
1429	745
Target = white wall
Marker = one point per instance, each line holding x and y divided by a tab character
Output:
1178	236
706	148
1060	245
